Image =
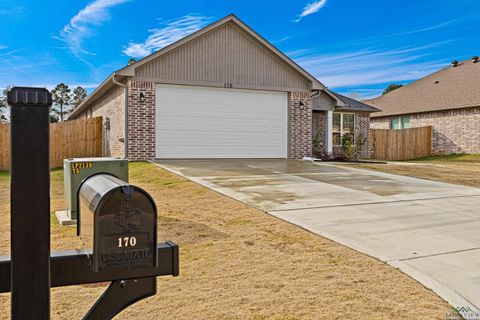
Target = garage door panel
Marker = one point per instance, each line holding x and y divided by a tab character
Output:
228	127
219	139
196	122
209	111
192	142
218	152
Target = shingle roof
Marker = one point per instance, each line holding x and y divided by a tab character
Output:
354	105
450	88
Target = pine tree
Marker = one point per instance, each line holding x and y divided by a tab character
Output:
392	87
79	94
3	103
62	99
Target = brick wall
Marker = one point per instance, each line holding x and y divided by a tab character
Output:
141	120
454	131
362	131
300	120
319	132
380	123
112	106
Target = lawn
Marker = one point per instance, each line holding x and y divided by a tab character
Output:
240	263
461	169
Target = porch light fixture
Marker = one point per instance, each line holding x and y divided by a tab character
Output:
141	95
302	105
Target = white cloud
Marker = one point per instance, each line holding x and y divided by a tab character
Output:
280	40
373	67
81	26
311	8
168	33
11	11
430	28
362	94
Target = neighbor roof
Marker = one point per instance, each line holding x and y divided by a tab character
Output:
354	105
450	88
129	70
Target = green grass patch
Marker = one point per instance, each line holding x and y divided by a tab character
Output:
148	173
4	175
450	158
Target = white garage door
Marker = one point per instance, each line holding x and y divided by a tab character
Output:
198	122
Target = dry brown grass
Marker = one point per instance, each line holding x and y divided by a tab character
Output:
457	169
240	263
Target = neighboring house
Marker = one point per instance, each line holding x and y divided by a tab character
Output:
447	100
221	92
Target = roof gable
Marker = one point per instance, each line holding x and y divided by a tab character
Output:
271	67
226	51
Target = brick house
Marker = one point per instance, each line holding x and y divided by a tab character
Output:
221	92
448	100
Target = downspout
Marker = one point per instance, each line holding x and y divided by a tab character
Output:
126	112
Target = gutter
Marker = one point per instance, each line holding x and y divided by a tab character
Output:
126	111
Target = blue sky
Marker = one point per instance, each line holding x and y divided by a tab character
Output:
353	47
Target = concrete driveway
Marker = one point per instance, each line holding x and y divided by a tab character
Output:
429	230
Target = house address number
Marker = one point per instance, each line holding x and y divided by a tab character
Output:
127	242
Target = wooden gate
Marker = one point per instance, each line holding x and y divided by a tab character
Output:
69	139
403	144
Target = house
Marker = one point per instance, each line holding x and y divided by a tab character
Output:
221	92
448	100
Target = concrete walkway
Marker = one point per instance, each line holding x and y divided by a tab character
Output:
429	230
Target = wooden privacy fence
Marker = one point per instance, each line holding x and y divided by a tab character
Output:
403	144
69	139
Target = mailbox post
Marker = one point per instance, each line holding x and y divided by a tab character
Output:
118	226
30	219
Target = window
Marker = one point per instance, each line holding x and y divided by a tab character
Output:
405	122
343	126
395	123
402	122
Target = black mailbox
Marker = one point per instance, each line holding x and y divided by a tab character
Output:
119	222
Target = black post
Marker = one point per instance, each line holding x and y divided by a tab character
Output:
30	203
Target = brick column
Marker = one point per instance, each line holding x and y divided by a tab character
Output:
319	133
141	120
300	125
362	131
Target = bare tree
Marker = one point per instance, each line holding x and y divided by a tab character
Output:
354	95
